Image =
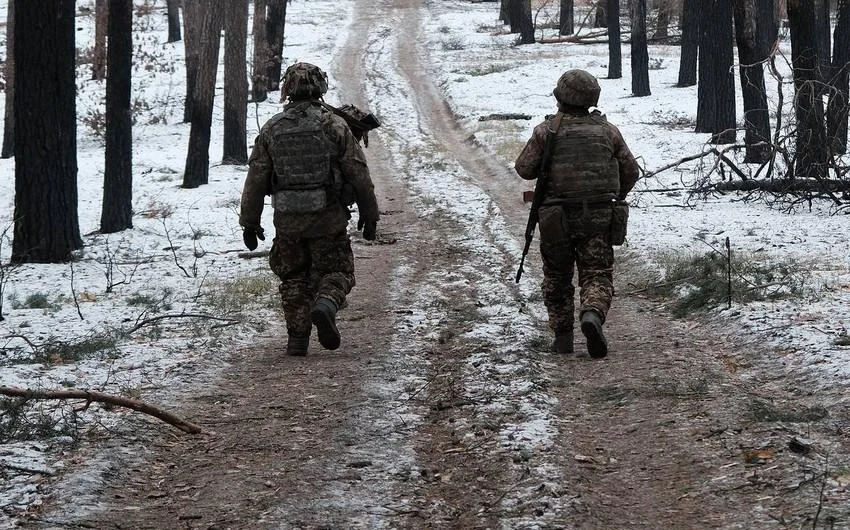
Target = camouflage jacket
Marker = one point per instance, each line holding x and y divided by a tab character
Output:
352	167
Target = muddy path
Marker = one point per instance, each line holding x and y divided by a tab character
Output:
443	409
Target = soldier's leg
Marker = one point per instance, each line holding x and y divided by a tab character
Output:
290	261
558	258
595	262
332	274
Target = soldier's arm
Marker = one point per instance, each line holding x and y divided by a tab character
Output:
527	163
257	185
355	170
629	170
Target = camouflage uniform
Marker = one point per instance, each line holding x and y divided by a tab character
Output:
591	167
311	253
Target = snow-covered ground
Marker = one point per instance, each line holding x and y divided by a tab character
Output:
181	256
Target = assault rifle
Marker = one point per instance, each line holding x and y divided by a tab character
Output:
358	121
539	191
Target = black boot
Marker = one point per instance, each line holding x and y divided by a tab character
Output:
323	316
591	327
563	342
297	344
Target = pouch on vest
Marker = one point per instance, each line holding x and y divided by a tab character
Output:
553	226
619	222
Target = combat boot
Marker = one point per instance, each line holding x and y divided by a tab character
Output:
297	344
323	316
591	327
563	342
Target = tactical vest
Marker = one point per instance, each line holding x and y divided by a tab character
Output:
583	163
304	162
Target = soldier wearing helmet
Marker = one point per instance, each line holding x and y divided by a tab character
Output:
591	170
304	157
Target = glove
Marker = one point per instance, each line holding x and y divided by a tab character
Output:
369	228
250	236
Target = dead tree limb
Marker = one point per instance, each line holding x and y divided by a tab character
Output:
152	320
100	397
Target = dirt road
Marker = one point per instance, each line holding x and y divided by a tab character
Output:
443	408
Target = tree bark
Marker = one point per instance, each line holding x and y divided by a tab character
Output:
259	86
521	22
822	8
716	87
839	99
615	52
602	17
101	20
504	11
567	17
192	25
173	10
46	225
198	153
275	27
690	43
8	150
640	53
235	84
117	211
812	154
662	21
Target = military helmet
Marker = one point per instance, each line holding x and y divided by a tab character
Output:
577	87
304	81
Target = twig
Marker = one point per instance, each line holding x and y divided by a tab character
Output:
100	397
74	293
152	320
26	469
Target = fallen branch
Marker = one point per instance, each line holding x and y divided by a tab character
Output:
100	397
155	319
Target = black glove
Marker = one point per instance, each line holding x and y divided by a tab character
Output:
250	236
369	228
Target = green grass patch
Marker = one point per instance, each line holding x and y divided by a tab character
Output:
253	290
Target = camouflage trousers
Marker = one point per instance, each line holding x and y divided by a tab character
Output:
310	268
575	240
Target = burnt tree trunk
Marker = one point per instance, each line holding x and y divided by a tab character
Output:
275	28
9	112
640	54
836	114
690	43
192	22
521	22
173	10
101	20
822	27
198	154
567	17
235	84
615	51
716	87
812	154
46	225
259	86
117	212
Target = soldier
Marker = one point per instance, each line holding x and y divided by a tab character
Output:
591	169
308	160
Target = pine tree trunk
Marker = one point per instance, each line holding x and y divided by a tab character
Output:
9	112
640	54
173	10
198	153
235	84
117	212
259	86
567	17
602	17
716	87
824	31
662	22
690	43
192	26
275	27
504	12
615	51
46	225
838	95
521	22
101	20
750	56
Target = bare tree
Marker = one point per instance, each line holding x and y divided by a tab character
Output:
46	224
192	25
615	52
235	83
521	21
101	20
640	53
275	27
117	211
504	11
716	87
567	17
259	86
173	10
838	85
9	117
822	27
203	95
690	43
662	20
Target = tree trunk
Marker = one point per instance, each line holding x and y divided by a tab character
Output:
690	43
198	153
615	52
601	18
46	225
838	96
716	87
823	37
192	21
567	17
521	22
812	153
117	212
504	11
259	87
275	26
9	117
640	54
235	84
662	22
173	10
101	19
750	57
